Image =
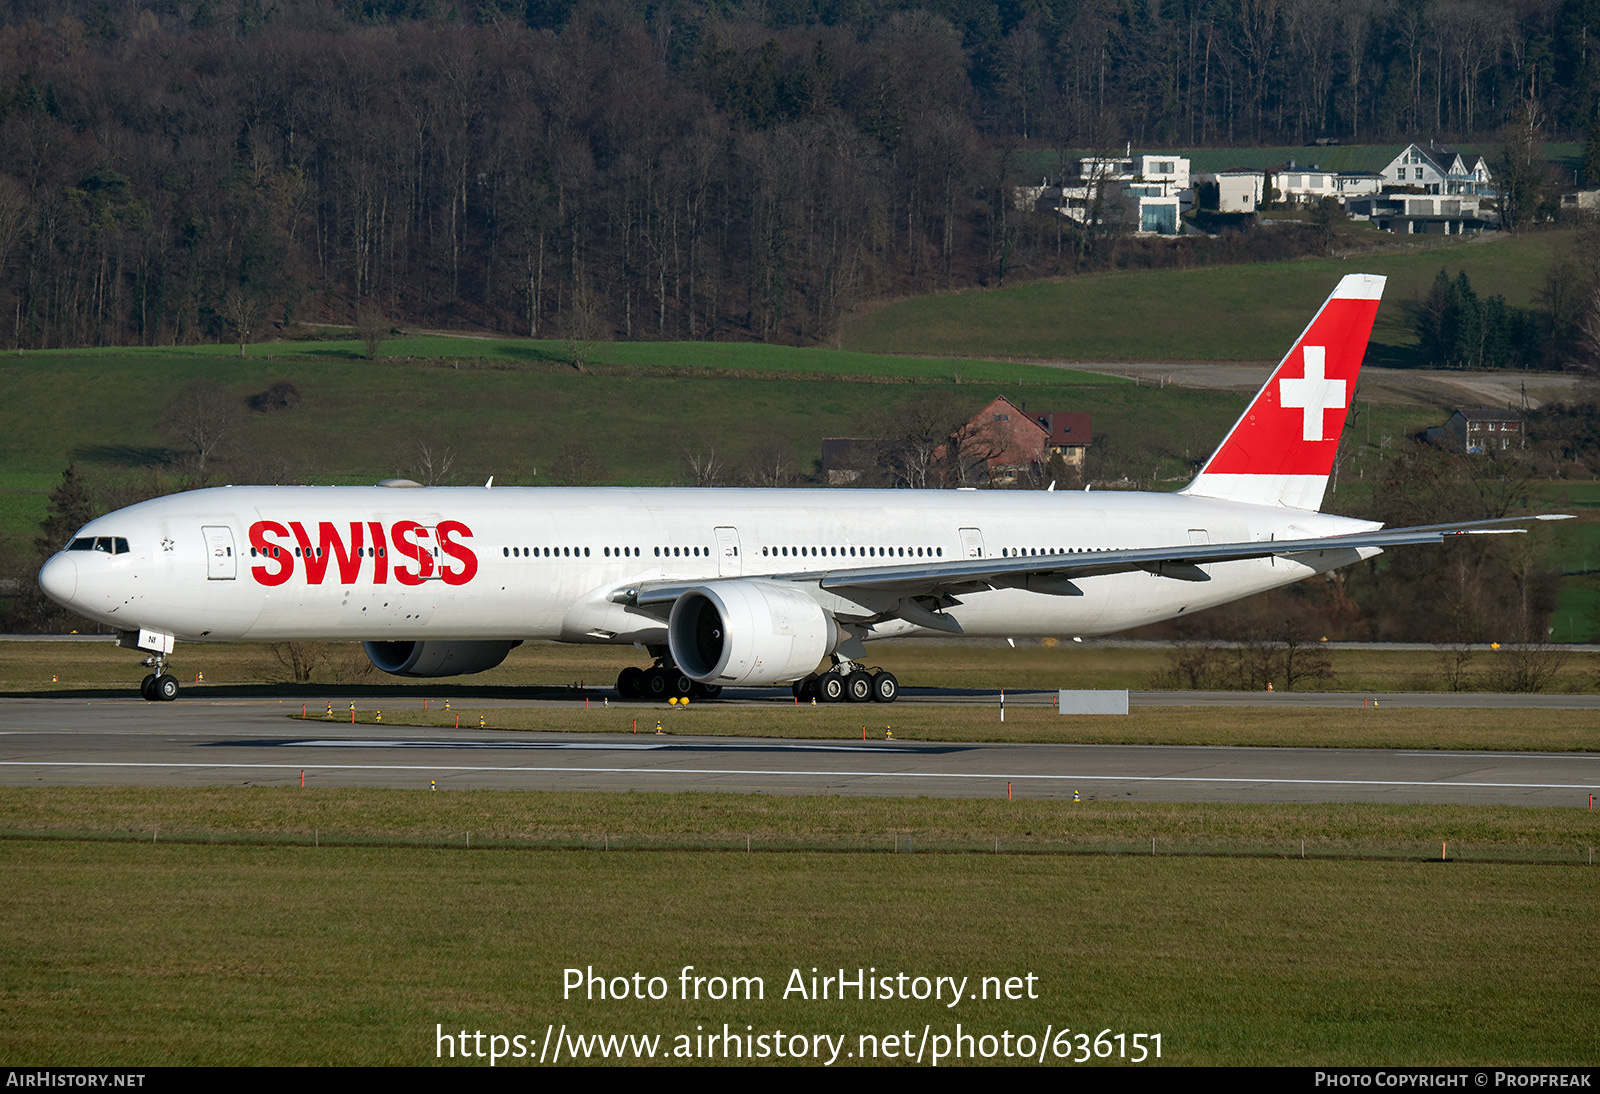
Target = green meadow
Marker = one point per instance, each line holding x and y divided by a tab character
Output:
246	939
1218	313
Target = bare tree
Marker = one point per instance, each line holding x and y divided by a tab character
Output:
585	327
705	468
372	330
769	463
1522	168
925	428
204	421
431	464
242	310
1526	667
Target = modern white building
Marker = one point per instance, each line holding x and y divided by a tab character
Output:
1145	194
1304	185
1423	214
1239	190
1242	190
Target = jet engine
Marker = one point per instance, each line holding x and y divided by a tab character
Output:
748	632
437	658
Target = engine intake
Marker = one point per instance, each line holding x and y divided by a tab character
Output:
748	632
437	658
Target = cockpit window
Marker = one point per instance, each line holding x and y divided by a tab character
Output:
111	545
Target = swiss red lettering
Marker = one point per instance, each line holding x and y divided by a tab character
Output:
404	534
316	562
278	546
458	551
278	566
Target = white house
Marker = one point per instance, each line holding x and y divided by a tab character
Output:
1145	194
1239	190
1304	185
1439	170
1422	214
1353	184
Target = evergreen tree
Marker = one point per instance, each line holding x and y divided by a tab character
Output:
71	507
1458	329
1591	155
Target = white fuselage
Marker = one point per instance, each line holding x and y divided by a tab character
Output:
387	563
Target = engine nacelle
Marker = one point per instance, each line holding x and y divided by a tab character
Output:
437	658
748	632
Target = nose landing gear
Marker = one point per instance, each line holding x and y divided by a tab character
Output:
159	686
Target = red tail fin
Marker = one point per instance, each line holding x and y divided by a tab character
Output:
1281	451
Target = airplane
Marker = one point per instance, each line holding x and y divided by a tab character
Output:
738	587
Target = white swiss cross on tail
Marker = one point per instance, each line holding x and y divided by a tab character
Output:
1314	393
1281	450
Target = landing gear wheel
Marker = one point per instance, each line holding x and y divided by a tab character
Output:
655	685
630	682
147	688
711	691
858	687
679	685
165	688
805	689
885	688
830	687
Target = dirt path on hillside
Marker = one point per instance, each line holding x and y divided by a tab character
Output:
1421	387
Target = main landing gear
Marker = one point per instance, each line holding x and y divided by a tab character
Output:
160	686
848	682
661	682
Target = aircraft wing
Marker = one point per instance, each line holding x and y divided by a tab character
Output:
1055	573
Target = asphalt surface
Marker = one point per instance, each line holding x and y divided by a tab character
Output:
201	741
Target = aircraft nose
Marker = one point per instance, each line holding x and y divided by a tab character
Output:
59	579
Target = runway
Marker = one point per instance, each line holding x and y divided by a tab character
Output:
196	742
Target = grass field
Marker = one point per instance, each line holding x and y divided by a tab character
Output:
1250	312
132	954
362	421
604	358
27	668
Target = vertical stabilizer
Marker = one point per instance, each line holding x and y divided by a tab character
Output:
1280	452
